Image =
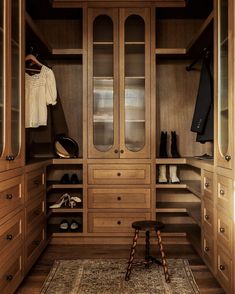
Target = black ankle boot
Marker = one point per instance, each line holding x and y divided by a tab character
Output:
163	145
174	151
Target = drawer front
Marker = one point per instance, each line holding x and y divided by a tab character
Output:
34	245
11	195
11	272
224	270
11	233
224	193
224	231
114	222
208	216
208	249
35	213
35	183
119	174
208	185
119	198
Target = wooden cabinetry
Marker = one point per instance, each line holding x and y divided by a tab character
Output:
119	83
11	84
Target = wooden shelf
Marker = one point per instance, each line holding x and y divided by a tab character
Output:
171	52
179	228
64	186
102	43
194	186
67	161
134	43
171	186
66	210
207	164
71	52
170	160
194	210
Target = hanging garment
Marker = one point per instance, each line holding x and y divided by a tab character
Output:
202	122
40	91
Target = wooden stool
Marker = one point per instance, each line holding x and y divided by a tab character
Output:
147	226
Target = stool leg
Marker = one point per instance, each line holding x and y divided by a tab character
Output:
164	263
132	253
147	246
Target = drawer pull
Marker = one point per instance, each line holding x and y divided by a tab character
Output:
207	217
116	151
9	237
207	185
222	230
119	174
10	157
221	192
9	277
122	151
227	157
207	249
9	196
36	242
119	198
37	211
222	267
119	222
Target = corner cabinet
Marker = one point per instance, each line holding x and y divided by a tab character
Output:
119	83
224	88
11	87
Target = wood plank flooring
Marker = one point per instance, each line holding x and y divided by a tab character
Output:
36	277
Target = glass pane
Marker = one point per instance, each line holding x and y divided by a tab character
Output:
223	76
134	114
15	106
134	84
103	114
1	77
103	77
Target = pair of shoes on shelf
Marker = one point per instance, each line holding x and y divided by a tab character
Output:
67	201
163	145
162	175
66	226
66	180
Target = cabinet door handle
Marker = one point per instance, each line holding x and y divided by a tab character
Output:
9	237
9	277
9	196
227	157
221	192
116	151
222	267
222	230
119	222
207	249
119	174
207	185
207	217
10	157
119	198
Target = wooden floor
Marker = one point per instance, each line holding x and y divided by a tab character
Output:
36	277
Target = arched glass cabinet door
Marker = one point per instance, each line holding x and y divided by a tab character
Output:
102	83
224	149
135	80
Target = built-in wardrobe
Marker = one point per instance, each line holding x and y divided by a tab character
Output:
125	72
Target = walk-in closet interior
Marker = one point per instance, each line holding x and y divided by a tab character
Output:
113	112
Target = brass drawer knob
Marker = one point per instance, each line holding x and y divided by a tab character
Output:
222	267
207	217
227	157
222	230
119	198
9	277
221	192
116	151
10	157
119	222
207	249
122	151
207	185
119	174
9	237
9	196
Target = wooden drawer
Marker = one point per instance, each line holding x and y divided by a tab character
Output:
119	198
11	233
35	183
11	272
224	231
224	270
11	195
34	245
208	185
208	249
224	193
35	213
138	174
114	222
208	216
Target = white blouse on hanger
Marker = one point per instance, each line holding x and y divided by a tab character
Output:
40	91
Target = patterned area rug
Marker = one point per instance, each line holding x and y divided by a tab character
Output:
97	276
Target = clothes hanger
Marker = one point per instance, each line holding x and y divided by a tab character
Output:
32	58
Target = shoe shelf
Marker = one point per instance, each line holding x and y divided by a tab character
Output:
63	186
171	160
67	161
65	210
193	186
54	231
